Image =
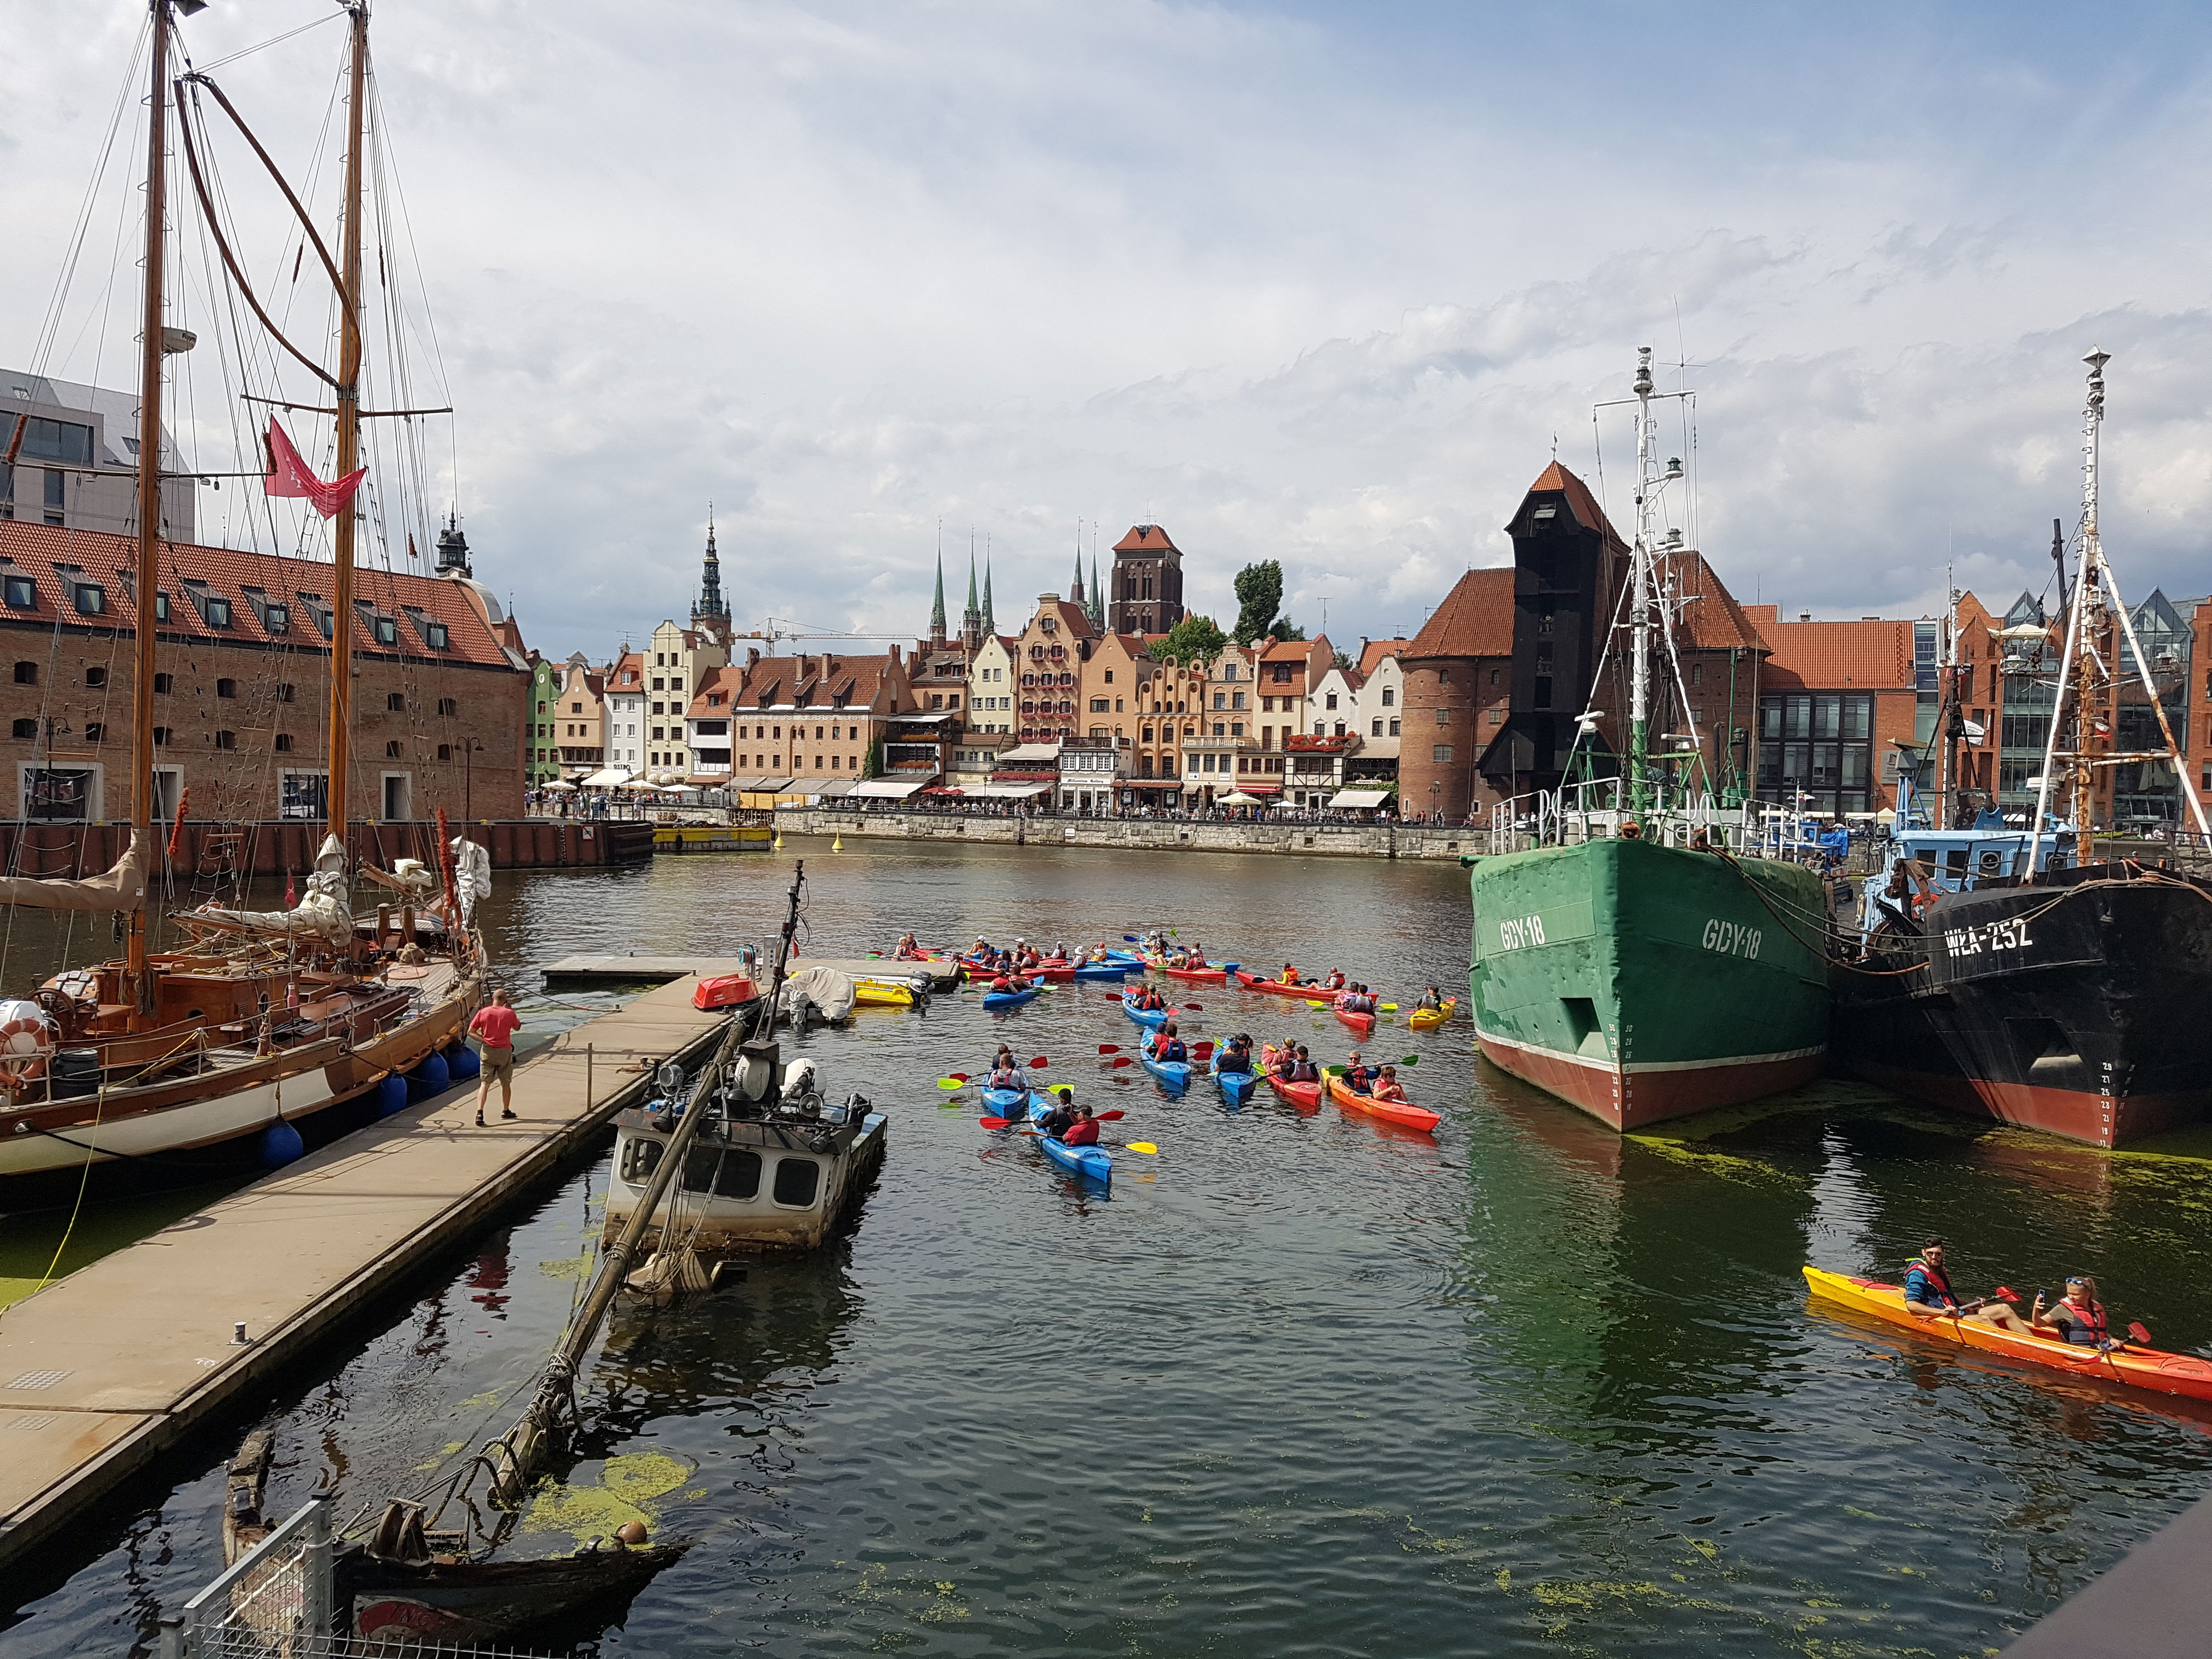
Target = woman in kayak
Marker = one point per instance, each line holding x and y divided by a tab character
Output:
2078	1316
907	949
1004	1074
1288	976
1928	1294
1387	1086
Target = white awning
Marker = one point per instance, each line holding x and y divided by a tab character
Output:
1003	791
1031	751
1359	798
830	787
884	789
611	777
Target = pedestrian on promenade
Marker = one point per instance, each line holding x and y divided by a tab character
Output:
493	1028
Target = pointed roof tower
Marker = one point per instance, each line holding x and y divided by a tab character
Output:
937	608
990	618
1098	597
710	610
971	618
1075	582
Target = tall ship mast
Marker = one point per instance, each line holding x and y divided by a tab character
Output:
1643	961
2013	974
252	1022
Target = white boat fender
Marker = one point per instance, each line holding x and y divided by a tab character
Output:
799	1079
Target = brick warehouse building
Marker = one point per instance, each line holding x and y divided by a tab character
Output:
242	686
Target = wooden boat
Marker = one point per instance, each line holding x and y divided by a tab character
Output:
1306	1096
1428	1019
1403	1112
2134	1366
457	1601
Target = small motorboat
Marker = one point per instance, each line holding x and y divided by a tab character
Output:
880	994
1403	1112
1306	1096
1427	1019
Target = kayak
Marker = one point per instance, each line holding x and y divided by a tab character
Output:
1106	969
1003	1103
1362	1024
1275	987
1172	1074
2137	1367
1236	1086
1401	1112
1154	1017
1427	1019
1008	999
1198	975
1053	973
1306	1096
1089	1162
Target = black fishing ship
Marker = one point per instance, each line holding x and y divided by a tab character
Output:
2010	973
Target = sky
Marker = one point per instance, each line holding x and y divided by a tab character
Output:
1322	284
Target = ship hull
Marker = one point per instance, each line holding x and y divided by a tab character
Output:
1642	983
2075	1006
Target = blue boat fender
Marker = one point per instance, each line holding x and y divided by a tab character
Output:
391	1094
461	1062
281	1144
430	1078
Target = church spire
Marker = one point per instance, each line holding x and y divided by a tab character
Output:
711	608
937	609
971	618
1075	585
990	618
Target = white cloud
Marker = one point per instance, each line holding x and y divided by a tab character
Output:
1321	288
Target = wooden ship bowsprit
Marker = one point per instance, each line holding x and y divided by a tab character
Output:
260	1019
2013	973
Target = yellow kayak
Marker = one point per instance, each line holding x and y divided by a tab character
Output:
874	993
1427	1019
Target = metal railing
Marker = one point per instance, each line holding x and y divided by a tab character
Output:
1595	810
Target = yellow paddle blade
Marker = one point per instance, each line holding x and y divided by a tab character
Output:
1316	1005
1142	1147
1389	1007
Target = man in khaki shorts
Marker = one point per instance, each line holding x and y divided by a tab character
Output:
493	1028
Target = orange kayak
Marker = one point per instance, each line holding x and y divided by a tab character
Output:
1402	1112
2136	1366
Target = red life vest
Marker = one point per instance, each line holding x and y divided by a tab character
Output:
2087	1326
1936	1280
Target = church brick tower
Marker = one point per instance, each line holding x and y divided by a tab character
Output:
1146	595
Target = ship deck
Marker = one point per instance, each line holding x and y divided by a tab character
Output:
105	1370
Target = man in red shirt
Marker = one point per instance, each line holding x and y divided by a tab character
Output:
493	1028
1084	1132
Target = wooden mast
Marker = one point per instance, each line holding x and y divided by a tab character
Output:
150	497
349	408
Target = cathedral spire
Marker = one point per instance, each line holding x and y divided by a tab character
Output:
937	609
711	608
971	618
1075	585
990	618
1097	599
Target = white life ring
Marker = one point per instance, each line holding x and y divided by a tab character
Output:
27	1043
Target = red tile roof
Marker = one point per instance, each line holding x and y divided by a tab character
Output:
303	587
727	683
1375	652
1580	501
1145	538
1715	622
1475	619
1831	656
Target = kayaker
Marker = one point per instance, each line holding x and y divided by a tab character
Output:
1236	1057
1288	976
2078	1316
1356	1000
908	948
1336	981
1928	1294
1056	1121
1358	1075
1084	1132
1387	1086
1004	1074
1169	1051
1431	1002
1000	985
1302	1068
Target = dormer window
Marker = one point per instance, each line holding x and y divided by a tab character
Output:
216	609
385	630
277	618
22	594
90	599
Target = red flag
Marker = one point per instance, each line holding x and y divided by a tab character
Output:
288	476
177	830
291	893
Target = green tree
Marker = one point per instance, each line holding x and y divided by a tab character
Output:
1285	628
1343	660
1259	595
1194	639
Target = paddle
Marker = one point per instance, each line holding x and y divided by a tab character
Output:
1144	1147
1120	1062
958	1080
1039	1063
1190	1008
1109	1048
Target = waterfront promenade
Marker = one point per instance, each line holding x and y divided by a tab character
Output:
1324	839
102	1371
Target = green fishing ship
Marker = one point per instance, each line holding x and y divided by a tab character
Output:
1641	956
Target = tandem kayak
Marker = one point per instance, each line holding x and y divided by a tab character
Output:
1276	988
1403	1112
1089	1162
2136	1366
1427	1019
1306	1096
1005	1102
1362	1024
1008	999
1198	975
1172	1074
1236	1086
1154	1017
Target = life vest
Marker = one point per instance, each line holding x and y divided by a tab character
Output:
1937	1281
2087	1326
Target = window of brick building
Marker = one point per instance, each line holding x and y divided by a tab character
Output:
1443	717
164	684
94	731
396	701
226	688
26	728
225	739
27	673
392	749
1441	755
96	676
283	743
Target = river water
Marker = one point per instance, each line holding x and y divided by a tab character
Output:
1300	1385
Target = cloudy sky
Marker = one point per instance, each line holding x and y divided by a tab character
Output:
1319	283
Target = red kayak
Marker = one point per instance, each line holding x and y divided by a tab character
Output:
1304	992
1362	1024
1306	1096
1198	975
1403	1112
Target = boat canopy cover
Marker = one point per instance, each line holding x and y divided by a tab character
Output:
121	887
828	989
1359	798
325	911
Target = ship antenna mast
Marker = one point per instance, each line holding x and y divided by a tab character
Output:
1640	689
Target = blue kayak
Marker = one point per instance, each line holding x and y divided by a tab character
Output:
1154	1017
1172	1074
1003	1103
1236	1086
1115	970
1089	1162
1006	999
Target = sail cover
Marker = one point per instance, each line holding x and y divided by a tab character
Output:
325	911
471	877
122	888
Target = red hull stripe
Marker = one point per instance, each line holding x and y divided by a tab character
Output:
1651	1092
2100	1120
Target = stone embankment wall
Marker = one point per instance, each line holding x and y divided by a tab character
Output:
1358	841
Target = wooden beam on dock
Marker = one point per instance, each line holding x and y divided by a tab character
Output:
103	1371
